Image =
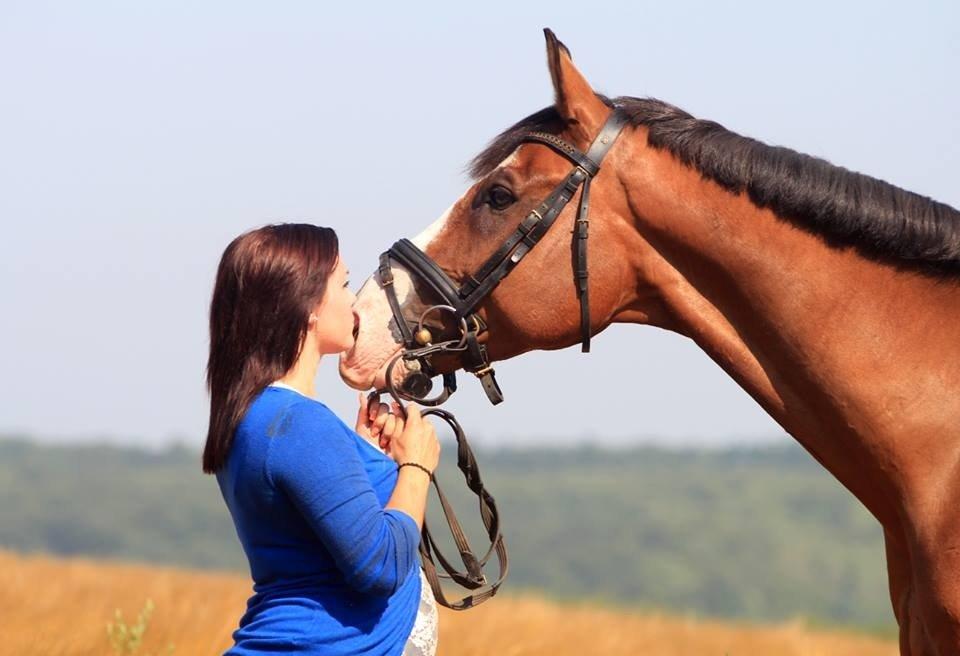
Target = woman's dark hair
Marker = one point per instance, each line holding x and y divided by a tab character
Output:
268	282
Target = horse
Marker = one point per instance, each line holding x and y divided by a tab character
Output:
831	297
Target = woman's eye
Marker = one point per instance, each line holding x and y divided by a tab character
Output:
500	198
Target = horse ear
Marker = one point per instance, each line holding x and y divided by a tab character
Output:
574	98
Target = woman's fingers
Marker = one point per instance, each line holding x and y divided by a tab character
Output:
377	409
392	429
378	416
413	415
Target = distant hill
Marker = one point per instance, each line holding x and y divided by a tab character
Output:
760	533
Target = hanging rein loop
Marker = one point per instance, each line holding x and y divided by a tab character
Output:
472	577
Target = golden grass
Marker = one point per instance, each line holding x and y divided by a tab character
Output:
59	607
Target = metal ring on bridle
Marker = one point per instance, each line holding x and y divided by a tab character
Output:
451	309
399	396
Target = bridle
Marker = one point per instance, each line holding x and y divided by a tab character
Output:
461	303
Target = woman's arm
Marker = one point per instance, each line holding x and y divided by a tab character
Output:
410	495
376	421
314	461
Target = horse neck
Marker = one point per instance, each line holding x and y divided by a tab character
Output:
854	358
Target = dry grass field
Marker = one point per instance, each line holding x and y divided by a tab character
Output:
59	607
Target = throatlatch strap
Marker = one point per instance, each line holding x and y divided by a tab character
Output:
580	241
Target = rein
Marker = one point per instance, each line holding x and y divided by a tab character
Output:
472	577
461	303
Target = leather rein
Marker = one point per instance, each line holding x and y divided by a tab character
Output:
461	303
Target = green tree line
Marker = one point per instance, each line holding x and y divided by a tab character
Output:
750	533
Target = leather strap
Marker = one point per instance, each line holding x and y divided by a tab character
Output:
535	225
473	577
598	150
581	273
386	282
528	235
607	136
479	365
587	163
415	260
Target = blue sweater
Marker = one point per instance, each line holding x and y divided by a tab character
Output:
333	572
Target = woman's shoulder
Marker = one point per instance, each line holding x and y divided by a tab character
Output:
304	434
291	410
296	418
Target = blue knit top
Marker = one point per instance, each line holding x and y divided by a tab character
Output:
333	571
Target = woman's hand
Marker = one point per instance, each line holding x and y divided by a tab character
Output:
379	421
417	442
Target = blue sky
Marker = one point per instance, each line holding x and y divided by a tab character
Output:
136	140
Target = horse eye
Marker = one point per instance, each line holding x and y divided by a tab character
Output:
500	198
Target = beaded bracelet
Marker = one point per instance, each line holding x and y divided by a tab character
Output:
418	466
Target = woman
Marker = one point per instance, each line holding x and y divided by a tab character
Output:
329	522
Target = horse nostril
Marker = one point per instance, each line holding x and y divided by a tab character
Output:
356	325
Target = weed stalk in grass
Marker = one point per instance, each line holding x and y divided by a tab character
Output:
127	639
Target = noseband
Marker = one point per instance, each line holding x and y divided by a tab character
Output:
462	302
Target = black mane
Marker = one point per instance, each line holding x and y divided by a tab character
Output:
880	220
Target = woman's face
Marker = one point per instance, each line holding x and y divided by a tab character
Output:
335	316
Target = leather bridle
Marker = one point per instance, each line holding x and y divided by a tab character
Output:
462	302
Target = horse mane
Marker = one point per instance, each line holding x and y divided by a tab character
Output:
845	208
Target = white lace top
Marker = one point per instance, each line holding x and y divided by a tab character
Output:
423	637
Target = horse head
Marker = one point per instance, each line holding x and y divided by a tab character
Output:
537	304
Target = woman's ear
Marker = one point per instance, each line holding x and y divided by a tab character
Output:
574	98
